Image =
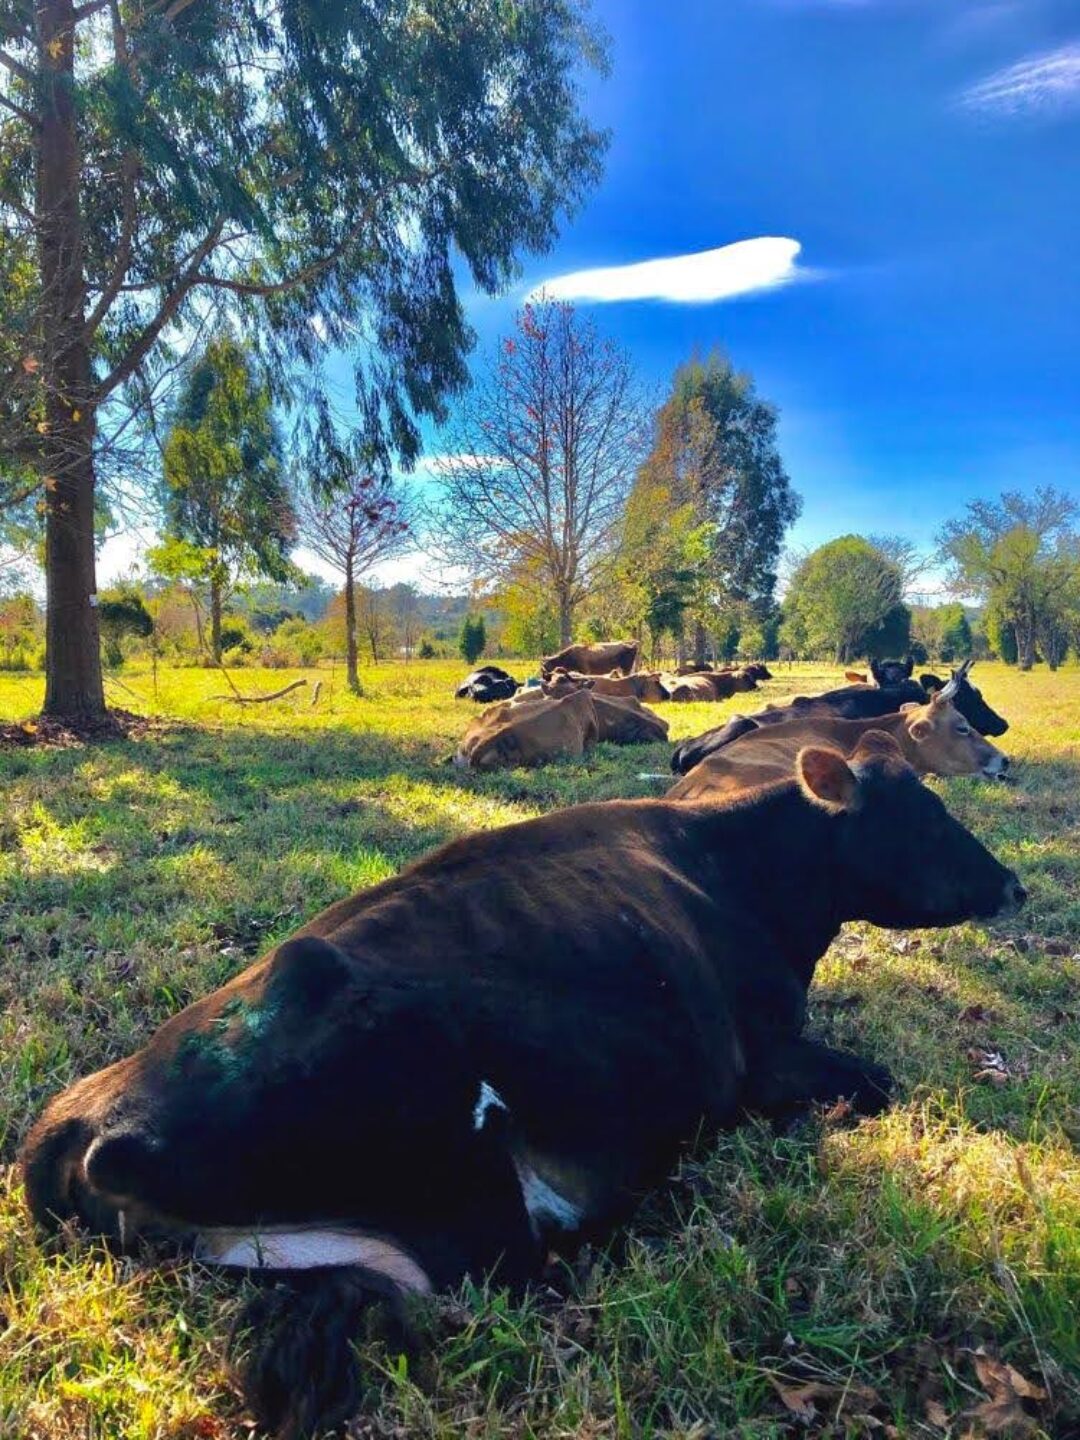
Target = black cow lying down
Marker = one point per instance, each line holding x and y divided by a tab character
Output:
849	702
487	684
500	1050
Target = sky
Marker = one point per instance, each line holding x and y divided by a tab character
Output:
871	205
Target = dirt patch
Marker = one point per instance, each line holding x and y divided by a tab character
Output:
54	733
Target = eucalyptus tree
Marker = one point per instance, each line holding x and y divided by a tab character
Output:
322	170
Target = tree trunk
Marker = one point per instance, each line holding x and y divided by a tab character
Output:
700	640
566	619
351	673
1025	642
215	619
73	681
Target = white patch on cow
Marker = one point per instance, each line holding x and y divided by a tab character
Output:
547	1208
489	1098
308	1249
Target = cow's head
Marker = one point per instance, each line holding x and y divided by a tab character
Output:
945	743
968	700
891	672
905	862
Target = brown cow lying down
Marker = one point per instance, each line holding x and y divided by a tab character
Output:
715	685
935	739
600	659
498	1052
535	728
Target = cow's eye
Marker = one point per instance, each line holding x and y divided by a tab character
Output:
962	729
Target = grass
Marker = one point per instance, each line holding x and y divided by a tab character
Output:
834	1280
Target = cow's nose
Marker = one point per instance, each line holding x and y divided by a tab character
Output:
119	1163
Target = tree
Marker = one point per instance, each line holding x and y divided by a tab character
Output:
473	638
1021	555
18	629
315	169
544	453
352	518
838	595
404	606
715	469
123	612
224	488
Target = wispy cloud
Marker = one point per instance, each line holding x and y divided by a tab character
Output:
708	275
1042	85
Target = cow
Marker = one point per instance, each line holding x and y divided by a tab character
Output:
935	740
888	673
689	688
486	684
497	1052
599	659
530	732
623	720
643	685
850	702
757	671
969	701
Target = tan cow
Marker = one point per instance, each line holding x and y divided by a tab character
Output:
718	685
529	733
623	720
935	740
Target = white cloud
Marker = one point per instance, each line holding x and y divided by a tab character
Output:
708	275
1042	85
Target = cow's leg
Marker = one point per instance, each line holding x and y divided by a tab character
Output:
294	1338
794	1073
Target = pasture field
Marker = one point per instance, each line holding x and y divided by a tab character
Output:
916	1275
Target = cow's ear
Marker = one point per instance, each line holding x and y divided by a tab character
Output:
910	705
920	729
909	667
931	683
855	677
826	778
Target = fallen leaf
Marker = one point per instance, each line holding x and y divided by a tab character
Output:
799	1399
840	1111
937	1414
1003	1413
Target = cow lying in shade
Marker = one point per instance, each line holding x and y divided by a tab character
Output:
851	702
499	1051
486	684
536	728
711	685
934	739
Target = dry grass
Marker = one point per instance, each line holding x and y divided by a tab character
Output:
838	1281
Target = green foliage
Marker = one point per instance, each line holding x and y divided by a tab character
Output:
20	628
1021	554
941	633
843	596
224	488
122	612
890	636
427	650
473	638
712	502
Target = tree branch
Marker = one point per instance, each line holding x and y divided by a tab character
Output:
83	12
31	119
17	68
146	341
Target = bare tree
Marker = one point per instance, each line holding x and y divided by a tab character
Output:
374	619
405	604
544	453
361	521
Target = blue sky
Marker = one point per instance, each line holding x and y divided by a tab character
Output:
925	156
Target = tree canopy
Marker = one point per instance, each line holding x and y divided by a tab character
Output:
712	502
843	598
318	169
1021	555
224	490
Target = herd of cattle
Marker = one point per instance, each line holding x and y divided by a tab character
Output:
493	1055
940	726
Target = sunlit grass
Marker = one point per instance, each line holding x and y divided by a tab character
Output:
875	1260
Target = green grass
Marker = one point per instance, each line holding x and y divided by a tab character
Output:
861	1267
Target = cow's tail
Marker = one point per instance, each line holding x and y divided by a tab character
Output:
293	1346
